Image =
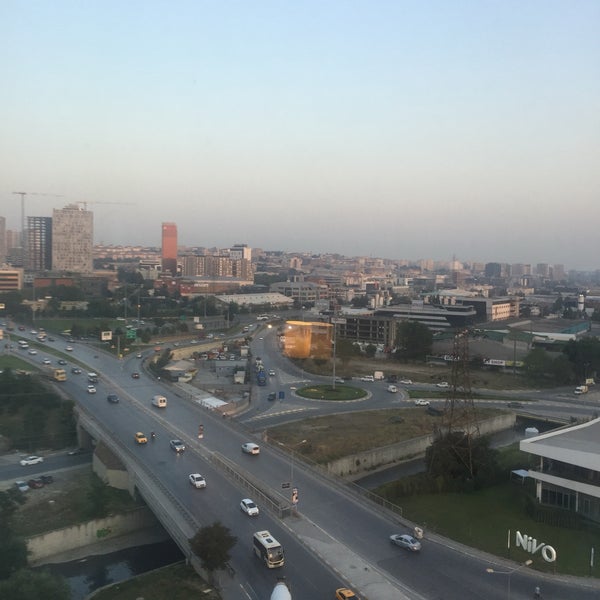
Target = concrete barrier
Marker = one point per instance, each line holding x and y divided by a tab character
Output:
86	534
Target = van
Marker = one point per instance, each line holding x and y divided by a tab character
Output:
159	401
92	377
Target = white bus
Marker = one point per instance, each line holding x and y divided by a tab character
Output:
267	548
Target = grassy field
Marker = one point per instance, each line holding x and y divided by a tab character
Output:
176	582
334	436
482	520
67	501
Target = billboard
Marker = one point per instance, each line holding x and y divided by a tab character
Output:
306	339
106	336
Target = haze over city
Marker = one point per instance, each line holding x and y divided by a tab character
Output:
391	129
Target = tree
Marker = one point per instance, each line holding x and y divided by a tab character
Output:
370	350
413	340
538	364
32	585
212	545
345	350
13	549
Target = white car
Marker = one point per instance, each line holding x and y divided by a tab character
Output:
271	373
406	381
249	507
69	348
47	361
197	480
443	384
392	389
91	389
421	402
250	448
32	352
22	486
367	378
31	460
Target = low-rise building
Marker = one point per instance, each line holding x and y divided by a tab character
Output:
568	471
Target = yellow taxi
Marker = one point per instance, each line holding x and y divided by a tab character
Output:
345	594
140	438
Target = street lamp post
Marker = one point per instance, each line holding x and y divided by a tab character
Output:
292	461
509	573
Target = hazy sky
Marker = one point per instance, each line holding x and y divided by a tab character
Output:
384	128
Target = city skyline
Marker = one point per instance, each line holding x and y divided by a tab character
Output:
389	129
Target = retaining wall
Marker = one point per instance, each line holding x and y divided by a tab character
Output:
85	534
369	460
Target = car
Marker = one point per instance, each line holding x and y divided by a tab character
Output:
392	389
422	402
51	339
21	328
47	361
76	451
406	381
197	480
112	398
69	348
345	594
443	384
91	389
250	448
339	380
47	479
135	375
272	396
138	355
249	507
367	378
62	361
31	460
140	438
35	483
22	486
76	371
406	541
177	445
32	352
271	373
33	332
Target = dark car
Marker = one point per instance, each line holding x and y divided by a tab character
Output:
47	479
35	483
272	396
135	375
113	398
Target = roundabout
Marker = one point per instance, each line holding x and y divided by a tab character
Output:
339	393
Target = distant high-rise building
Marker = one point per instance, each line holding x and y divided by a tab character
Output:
3	247
493	270
72	239
542	270
169	248
240	252
39	244
558	272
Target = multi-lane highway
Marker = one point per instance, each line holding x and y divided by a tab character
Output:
360	531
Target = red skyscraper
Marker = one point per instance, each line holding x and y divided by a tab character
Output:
169	248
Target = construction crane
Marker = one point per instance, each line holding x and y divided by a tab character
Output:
23	194
84	203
